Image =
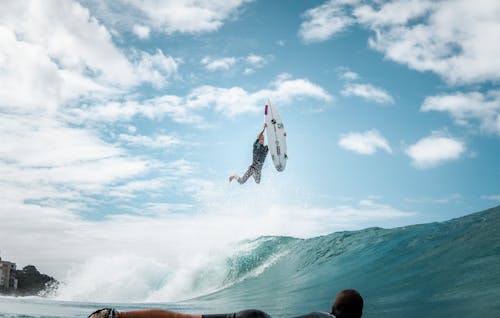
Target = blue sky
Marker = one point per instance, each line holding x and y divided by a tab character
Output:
120	122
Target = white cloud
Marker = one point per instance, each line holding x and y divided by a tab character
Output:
248	71
326	20
224	63
365	143
431	151
160	141
365	91
181	167
59	44
465	108
49	166
96	175
156	68
348	75
495	197
256	60
229	102
132	188
70	38
235	100
24	65
180	16
287	88
452	198
183	16
34	141
395	12
165	208
456	39
155	108
368	92
141	31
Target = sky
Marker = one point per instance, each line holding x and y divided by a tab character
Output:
120	122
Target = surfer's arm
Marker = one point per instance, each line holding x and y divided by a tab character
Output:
262	132
154	313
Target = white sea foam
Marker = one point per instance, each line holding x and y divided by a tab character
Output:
132	278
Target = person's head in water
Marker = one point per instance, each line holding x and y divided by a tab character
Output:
348	304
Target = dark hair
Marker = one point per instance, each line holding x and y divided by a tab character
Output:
348	304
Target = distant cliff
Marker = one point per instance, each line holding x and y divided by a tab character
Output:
31	282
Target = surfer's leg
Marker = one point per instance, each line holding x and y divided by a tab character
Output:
256	175
247	175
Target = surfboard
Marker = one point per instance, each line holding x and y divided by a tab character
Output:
276	136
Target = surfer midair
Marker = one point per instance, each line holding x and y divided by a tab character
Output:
259	155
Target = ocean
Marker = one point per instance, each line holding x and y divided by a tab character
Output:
447	269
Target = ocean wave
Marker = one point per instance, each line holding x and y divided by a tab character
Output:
442	267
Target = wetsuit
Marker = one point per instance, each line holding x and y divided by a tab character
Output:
259	155
317	314
253	313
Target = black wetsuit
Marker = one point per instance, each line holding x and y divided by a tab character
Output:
253	313
259	155
317	314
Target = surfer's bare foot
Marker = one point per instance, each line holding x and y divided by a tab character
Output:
232	177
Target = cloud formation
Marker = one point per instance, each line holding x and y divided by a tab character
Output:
179	16
352	87
365	143
494	197
469	108
456	39
326	20
367	92
141	31
224	63
60	44
434	150
159	141
251	61
56	58
228	102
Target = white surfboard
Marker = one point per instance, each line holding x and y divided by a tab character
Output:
276	136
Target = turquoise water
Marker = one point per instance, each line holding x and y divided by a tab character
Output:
431	270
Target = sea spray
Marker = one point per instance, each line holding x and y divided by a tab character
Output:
107	278
132	278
